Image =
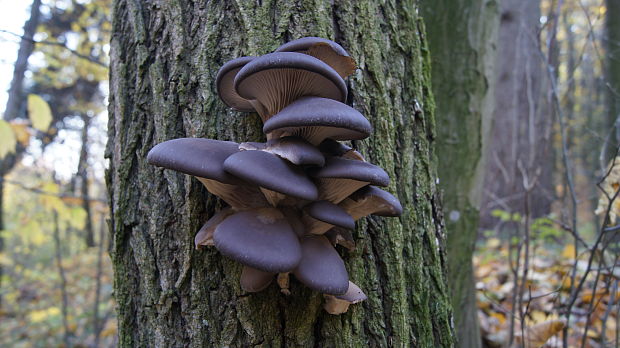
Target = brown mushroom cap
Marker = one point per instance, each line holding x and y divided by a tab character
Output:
315	119
259	238
195	156
293	149
321	268
277	79
371	200
224	84
271	172
255	280
340	177
326	50
329	213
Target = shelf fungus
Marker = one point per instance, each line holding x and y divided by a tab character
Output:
295	197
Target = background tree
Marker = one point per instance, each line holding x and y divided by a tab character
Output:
462	40
163	64
519	161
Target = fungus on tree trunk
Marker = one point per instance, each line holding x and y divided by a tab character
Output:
295	197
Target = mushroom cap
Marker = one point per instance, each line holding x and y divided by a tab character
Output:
271	172
259	238
330	213
296	150
255	280
326	50
353	295
293	149
344	237
342	168
277	79
224	84
195	156
321	268
338	149
304	43
205	234
377	201
315	119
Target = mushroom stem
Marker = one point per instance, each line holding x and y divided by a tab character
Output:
284	281
335	305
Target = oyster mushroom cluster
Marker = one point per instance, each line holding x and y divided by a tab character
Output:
294	197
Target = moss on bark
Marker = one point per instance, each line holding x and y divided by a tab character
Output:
164	59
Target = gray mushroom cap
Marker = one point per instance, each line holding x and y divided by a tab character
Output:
336	167
338	304
372	200
225	88
330	213
326	50
315	119
338	149
259	238
277	79
321	268
195	156
293	149
271	172
341	177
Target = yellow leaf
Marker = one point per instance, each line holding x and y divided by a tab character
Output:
7	139
537	335
39	112
20	129
569	252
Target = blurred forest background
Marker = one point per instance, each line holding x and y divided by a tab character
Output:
548	243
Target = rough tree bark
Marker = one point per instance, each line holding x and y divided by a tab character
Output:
462	37
520	136
164	57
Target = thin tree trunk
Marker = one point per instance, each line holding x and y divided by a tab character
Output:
462	37
82	175
63	283
164	58
15	101
520	138
613	72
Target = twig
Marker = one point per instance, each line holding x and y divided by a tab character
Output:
63	283
59	44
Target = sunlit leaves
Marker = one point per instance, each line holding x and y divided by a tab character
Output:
7	139
39	112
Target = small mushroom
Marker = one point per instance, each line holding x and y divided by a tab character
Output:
224	84
340	177
284	280
204	237
255	280
335	148
371	200
277	79
259	238
293	149
320	216
315	119
326	50
321	268
341	236
338	304
204	159
272	173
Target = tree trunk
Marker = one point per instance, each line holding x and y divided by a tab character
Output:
164	57
462	38
613	73
520	153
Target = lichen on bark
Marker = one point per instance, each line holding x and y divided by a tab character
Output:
164	57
